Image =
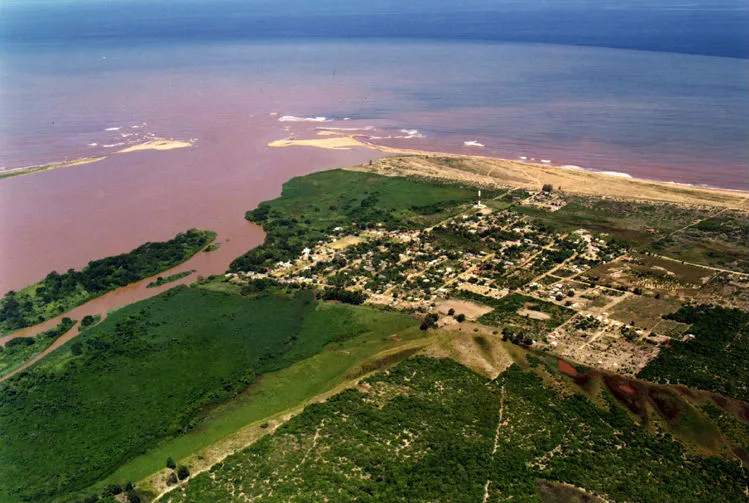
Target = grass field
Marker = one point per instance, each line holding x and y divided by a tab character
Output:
227	427
432	430
18	351
148	372
721	241
626	221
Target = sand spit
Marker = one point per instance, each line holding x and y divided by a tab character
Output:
493	172
334	143
158	144
47	167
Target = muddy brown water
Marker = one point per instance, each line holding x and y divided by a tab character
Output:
66	217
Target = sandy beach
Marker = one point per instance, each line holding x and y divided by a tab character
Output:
492	172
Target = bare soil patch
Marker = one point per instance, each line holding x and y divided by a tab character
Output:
471	310
535	315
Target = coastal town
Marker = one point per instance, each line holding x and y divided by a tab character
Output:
579	294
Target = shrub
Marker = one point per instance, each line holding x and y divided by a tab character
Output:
171	479
111	490
182	472
461	318
170	463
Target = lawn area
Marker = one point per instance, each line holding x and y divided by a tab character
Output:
148	372
310	207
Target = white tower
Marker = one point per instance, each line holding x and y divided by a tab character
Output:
478	203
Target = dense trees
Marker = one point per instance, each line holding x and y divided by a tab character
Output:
425	430
58	293
344	296
715	359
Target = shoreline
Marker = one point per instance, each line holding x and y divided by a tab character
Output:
337	140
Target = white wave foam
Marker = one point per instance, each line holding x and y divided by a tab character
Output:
112	129
546	161
473	143
293	118
331	128
616	173
410	133
523	158
114	145
573	167
93	144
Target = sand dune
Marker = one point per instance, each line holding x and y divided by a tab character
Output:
492	172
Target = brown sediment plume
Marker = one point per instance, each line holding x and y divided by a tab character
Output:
64	218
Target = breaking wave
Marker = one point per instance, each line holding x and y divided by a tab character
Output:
293	118
616	173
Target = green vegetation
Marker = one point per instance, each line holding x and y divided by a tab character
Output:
524	319
311	207
89	321
432	430
212	247
280	392
58	293
721	241
715	359
19	350
635	223
172	277
147	373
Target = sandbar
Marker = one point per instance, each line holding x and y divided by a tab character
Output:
335	143
47	167
156	145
